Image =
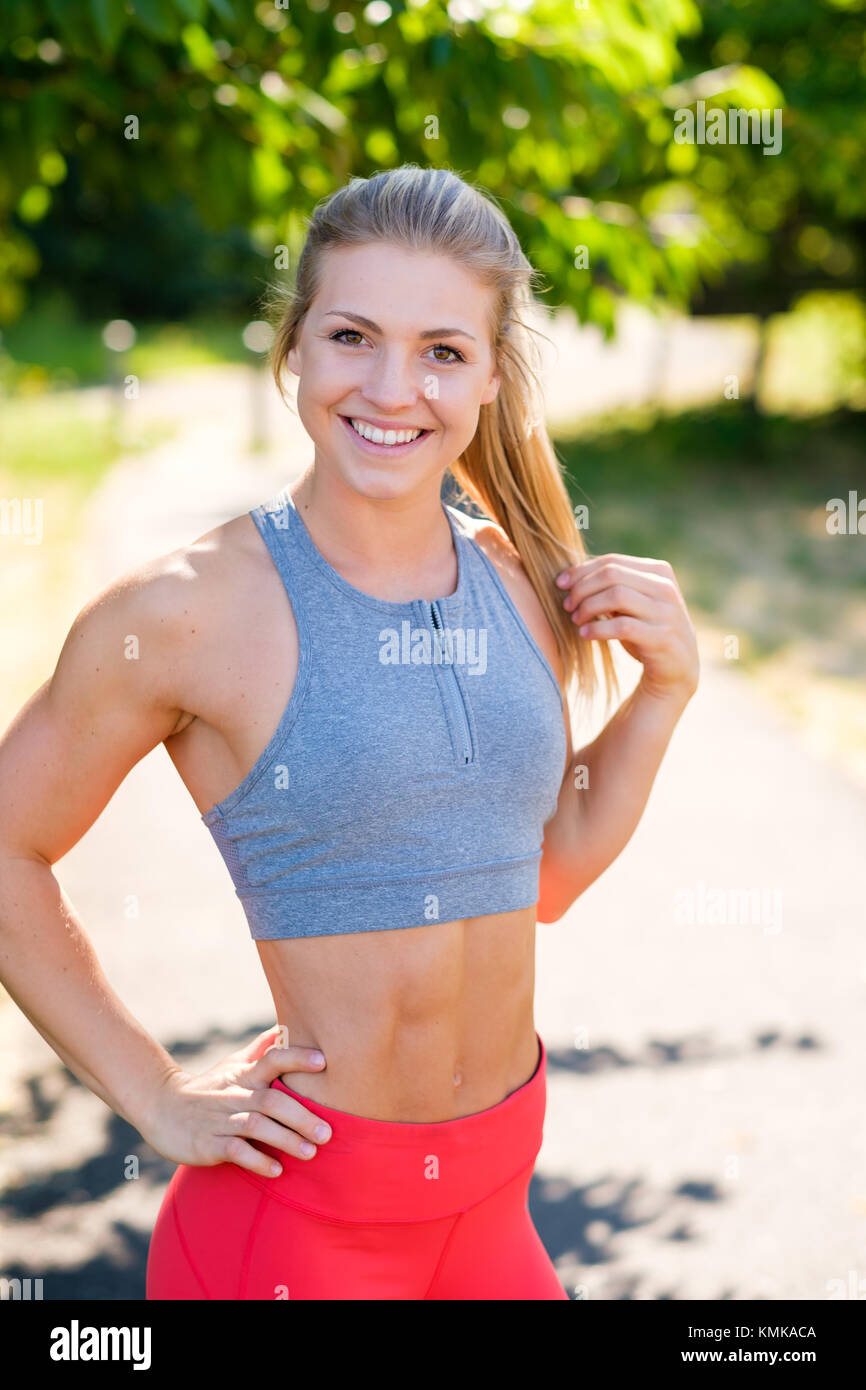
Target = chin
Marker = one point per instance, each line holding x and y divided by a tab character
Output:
380	480
379	485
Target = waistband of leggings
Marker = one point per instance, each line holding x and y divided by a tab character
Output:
382	1170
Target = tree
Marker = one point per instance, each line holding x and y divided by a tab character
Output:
566	111
258	111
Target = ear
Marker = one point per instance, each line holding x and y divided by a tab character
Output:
293	361
491	390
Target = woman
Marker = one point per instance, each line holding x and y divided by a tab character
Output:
365	693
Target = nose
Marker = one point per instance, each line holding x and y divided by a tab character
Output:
392	381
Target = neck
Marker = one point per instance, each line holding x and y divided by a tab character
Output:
373	542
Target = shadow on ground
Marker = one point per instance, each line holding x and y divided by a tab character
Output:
567	1217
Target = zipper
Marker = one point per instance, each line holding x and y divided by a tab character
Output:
457	701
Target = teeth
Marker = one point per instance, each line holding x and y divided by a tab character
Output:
377	436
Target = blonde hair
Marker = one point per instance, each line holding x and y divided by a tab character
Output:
510	469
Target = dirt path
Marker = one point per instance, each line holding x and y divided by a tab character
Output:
705	1136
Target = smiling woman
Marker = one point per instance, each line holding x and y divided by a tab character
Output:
393	828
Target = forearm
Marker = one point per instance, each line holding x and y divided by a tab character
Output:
620	767
50	969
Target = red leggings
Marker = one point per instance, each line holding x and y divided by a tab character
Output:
383	1211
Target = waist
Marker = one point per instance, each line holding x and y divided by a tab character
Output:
385	1170
420	1025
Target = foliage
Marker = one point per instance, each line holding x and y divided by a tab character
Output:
563	109
803	211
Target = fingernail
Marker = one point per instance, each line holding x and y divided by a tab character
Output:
275	1170
308	1149
584	629
322	1132
316	1058
562	579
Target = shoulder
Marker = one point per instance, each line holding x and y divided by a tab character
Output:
157	617
163	591
505	558
500	551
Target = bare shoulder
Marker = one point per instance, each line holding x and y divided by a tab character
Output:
155	620
164	591
503	555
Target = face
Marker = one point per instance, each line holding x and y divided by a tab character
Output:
395	340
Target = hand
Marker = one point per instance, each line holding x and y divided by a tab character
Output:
209	1119
637	601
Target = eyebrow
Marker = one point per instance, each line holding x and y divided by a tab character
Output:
374	327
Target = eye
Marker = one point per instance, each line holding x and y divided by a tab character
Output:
340	337
443	347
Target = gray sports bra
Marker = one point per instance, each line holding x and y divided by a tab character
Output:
415	765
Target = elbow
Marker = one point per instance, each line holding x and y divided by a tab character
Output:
552	907
559	891
546	914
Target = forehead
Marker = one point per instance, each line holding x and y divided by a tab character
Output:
402	289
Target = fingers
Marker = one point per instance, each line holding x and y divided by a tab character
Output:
607	576
236	1150
619	599
274	1119
630	562
279	1059
277	1120
648	636
655	578
290	1116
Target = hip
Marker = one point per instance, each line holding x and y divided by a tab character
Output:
386	1209
387	1170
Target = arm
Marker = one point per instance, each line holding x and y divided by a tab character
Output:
61	760
596	817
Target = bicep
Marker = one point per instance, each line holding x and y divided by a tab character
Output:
73	742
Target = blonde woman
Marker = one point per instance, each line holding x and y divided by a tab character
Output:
366	693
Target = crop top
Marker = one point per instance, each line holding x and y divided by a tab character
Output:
415	765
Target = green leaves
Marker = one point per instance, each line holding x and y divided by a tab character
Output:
73	25
160	18
257	111
109	20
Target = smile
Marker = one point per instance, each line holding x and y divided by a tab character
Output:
390	441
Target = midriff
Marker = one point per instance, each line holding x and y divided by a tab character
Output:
416	1025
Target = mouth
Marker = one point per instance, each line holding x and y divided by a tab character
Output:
391	442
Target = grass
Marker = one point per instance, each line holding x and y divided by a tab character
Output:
62	437
54	437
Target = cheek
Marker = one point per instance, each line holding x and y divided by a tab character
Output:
326	372
461	409
321	387
457	402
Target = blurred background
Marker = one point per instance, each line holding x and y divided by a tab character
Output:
704	349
